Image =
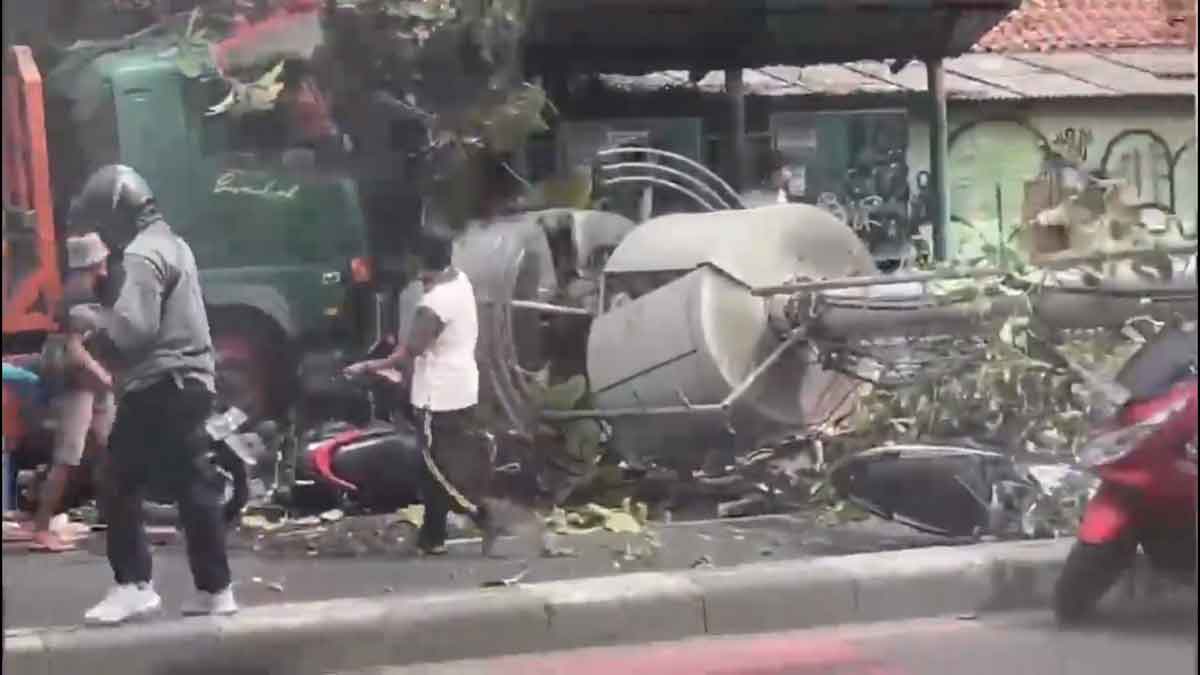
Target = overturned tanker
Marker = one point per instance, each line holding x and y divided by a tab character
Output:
685	356
730	329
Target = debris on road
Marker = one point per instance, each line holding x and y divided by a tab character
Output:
413	515
752	505
507	582
552	549
348	536
256	522
630	518
1020	483
276	586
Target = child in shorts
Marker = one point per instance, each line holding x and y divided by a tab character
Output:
85	408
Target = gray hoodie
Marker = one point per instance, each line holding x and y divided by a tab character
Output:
158	322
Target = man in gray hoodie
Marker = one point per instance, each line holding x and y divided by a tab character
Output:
159	331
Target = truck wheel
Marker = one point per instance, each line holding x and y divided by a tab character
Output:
248	356
1090	570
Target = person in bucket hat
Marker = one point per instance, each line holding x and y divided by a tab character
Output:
85	406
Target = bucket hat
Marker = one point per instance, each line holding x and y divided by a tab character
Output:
86	250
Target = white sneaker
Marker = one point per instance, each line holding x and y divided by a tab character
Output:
220	603
124	602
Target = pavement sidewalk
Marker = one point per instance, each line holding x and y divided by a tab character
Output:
55	590
322	637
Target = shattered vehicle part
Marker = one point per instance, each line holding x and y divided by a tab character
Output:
944	490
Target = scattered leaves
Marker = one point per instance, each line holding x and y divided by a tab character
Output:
413	515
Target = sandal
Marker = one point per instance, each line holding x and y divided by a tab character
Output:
18	532
48	542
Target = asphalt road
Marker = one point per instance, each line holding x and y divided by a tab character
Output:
1159	640
56	589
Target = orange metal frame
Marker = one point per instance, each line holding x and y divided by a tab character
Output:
27	186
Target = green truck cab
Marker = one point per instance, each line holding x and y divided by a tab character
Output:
281	248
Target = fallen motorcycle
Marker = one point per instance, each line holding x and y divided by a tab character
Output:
944	490
354	452
1143	451
1145	456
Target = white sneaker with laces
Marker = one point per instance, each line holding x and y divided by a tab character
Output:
124	602
203	603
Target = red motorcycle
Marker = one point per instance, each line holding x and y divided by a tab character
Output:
1145	456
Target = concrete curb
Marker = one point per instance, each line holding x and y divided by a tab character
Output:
321	637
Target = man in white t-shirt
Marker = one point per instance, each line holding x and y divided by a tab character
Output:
445	391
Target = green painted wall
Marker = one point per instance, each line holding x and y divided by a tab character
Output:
1152	146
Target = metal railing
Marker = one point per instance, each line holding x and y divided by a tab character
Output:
627	165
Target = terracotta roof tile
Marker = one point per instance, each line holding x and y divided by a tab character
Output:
1052	25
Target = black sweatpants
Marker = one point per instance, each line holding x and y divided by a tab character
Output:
158	443
458	471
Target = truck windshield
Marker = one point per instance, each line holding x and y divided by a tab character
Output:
260	200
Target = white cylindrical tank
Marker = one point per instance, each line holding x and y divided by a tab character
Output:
681	327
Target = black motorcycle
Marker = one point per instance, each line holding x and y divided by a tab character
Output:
355	446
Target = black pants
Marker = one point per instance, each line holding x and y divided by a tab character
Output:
158	443
460	475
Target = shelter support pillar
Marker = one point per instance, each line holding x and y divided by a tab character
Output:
738	159
938	156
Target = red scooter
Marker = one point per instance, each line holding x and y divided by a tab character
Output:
1145	456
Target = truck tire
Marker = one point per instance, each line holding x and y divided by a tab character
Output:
1090	571
250	362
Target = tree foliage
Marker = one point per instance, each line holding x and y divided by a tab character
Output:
452	65
456	66
1010	390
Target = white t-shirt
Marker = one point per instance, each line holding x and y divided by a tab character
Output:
446	376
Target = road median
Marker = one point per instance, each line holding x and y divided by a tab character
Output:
320	637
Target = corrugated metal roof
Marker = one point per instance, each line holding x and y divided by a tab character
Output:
971	77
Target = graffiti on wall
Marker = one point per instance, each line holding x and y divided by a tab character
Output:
991	160
1146	162
856	167
1073	142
